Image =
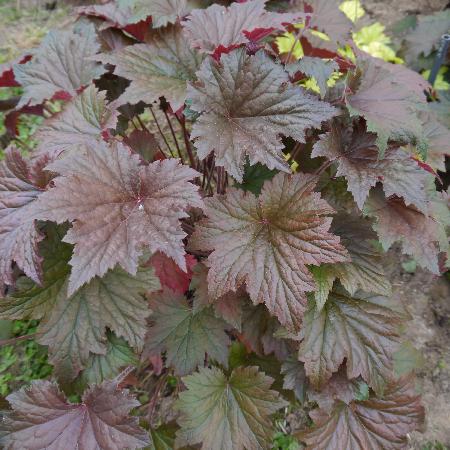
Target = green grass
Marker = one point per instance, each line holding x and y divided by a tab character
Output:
436	445
24	361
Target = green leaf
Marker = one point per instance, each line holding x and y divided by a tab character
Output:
163	437
352	9
103	367
254	177
324	278
75	326
185	335
228	413
159	67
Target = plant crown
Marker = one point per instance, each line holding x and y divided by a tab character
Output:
209	200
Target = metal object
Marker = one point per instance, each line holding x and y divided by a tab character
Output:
440	58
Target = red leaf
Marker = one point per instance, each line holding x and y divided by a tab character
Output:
12	118
222	50
257	34
7	78
139	30
169	274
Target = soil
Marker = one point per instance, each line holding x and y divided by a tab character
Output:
424	296
390	11
427	299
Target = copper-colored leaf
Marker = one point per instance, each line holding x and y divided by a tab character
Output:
82	121
266	243
357	156
223	26
418	233
246	103
61	64
357	329
160	67
118	207
375	424
21	183
43	418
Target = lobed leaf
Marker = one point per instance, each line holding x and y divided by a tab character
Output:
21	183
357	329
160	67
61	64
419	234
317	68
74	326
387	97
266	243
326	17
186	335
363	424
227	307
295	378
425	36
356	154
247	102
118	207
82	121
227	413
105	367
228	27
43	418
169	274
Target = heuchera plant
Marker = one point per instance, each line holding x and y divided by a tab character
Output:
193	210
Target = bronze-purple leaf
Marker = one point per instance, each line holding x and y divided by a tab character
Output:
21	183
358	329
266	243
375	424
43	418
357	156
118	207
246	104
220	26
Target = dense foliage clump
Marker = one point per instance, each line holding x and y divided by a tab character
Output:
204	218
